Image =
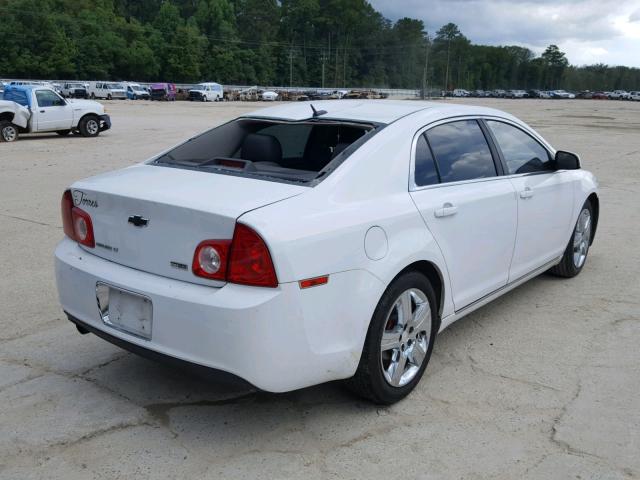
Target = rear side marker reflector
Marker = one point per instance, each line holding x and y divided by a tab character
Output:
313	282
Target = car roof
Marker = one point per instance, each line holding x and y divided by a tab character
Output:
375	111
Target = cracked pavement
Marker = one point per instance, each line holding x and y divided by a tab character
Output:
543	383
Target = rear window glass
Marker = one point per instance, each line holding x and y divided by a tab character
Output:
17	96
282	151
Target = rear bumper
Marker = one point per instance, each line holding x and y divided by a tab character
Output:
199	370
277	339
105	122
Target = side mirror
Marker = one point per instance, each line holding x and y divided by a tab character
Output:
567	160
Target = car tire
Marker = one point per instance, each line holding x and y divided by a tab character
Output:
63	133
89	126
376	378
575	255
109	97
8	132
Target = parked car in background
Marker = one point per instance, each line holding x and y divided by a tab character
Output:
74	90
619	95
461	92
163	91
107	90
499	93
600	96
37	109
270	96
478	93
2	85
408	216
634	96
516	94
135	91
206	92
585	94
561	94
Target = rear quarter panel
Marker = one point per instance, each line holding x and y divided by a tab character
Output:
323	230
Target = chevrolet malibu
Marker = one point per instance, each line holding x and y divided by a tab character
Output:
307	243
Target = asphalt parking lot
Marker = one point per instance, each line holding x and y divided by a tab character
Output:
543	383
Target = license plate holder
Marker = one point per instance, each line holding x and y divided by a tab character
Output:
124	310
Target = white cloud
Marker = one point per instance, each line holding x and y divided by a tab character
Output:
589	31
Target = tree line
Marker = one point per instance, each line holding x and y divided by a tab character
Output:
321	43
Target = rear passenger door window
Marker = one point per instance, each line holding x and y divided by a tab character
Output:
521	152
461	151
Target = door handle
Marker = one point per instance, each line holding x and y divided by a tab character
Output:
42	111
446	210
526	193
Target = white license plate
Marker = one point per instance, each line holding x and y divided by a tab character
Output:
126	311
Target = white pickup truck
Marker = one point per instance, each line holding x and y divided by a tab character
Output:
37	109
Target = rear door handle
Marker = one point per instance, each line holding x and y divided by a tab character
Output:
526	193
446	210
41	111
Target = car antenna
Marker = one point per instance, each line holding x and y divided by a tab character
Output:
317	113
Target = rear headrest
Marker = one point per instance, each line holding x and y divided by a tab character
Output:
261	148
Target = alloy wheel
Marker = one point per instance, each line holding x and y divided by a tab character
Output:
92	127
581	238
9	133
405	337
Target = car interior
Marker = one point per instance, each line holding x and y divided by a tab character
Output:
289	151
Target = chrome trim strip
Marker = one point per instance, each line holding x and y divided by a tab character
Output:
458	314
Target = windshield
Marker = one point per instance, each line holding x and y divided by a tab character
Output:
294	152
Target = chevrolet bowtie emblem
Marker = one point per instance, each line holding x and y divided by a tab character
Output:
138	221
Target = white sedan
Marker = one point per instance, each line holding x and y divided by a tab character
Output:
307	243
269	96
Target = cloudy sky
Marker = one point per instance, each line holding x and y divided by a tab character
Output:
589	31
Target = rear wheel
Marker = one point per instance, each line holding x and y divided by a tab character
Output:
109	97
89	126
8	132
576	252
399	341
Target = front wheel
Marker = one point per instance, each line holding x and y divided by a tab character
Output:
8	132
575	255
89	126
399	341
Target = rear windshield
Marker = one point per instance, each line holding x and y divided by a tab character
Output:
291	152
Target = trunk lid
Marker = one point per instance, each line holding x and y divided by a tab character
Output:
151	218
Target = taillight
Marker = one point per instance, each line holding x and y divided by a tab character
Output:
76	223
245	260
210	259
250	262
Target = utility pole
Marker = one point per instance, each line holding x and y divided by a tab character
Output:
446	74
344	63
291	67
426	68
